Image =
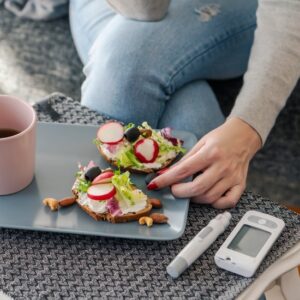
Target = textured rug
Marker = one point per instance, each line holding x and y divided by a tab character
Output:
44	265
39	58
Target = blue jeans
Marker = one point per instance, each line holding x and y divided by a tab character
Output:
158	71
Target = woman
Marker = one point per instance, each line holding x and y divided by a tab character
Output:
157	71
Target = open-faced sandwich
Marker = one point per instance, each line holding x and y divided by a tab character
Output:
108	195
137	148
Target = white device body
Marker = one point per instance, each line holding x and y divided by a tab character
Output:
249	242
203	239
199	244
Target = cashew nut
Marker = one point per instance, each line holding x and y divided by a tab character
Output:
51	202
146	220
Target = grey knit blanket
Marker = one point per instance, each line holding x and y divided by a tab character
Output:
37	9
42	265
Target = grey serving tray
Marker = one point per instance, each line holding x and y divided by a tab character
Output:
59	149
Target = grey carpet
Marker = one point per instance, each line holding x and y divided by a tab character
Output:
39	58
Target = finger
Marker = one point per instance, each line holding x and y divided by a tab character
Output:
194	150
230	199
199	186
179	172
215	192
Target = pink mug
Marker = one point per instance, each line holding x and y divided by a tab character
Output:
17	149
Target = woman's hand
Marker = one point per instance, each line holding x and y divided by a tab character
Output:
222	158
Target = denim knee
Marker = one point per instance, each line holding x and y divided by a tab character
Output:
119	83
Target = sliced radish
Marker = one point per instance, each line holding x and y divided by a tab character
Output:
146	150
110	133
104	177
113	148
102	191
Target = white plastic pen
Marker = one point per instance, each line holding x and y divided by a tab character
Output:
199	244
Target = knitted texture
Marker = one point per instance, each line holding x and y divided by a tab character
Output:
41	265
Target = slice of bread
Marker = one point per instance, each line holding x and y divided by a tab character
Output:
118	219
115	219
133	169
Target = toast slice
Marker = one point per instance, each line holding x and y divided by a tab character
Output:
117	219
118	145
107	215
132	168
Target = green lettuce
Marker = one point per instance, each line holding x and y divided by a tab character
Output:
164	145
126	158
96	142
125	190
82	184
129	125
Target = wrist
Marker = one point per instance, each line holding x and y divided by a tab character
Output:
247	133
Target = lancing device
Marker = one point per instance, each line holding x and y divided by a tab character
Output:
199	244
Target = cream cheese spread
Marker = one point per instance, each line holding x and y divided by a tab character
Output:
125	208
100	206
95	206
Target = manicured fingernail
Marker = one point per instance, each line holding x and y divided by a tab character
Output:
152	186
162	171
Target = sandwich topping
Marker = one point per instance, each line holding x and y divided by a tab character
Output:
105	191
138	147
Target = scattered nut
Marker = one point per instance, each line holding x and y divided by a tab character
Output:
146	220
156	203
146	132
67	201
159	218
52	203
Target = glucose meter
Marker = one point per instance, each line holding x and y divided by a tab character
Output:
249	242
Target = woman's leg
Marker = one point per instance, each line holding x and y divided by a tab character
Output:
135	68
193	108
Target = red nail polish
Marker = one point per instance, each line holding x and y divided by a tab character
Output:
152	186
162	171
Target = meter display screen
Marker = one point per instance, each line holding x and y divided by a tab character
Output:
249	240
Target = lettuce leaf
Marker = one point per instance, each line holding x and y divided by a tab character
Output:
126	158
82	185
126	194
96	142
129	125
165	146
